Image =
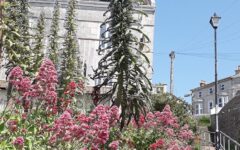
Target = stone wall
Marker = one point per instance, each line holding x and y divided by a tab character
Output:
229	119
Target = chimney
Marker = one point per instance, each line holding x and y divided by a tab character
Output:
202	83
238	70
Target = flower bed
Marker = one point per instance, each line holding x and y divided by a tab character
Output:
39	119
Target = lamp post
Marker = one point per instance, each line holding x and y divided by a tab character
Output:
214	22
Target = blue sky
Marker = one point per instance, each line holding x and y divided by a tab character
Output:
183	26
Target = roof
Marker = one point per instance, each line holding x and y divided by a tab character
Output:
219	81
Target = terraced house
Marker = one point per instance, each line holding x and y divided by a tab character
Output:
203	98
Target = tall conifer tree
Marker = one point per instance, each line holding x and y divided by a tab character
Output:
38	50
16	35
69	66
123	62
54	37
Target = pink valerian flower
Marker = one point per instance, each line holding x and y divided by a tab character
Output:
187	148
114	145
62	128
43	89
12	125
157	145
19	142
170	132
20	83
16	73
185	133
24	116
74	88
92	130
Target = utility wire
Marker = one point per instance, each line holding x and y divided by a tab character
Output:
193	42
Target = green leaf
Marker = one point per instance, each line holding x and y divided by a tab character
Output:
2	126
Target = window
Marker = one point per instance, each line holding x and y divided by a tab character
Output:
222	87
210	90
220	104
98	81
85	70
200	94
199	109
210	105
104	34
225	100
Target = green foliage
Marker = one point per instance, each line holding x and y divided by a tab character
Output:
15	35
178	106
24	21
204	121
70	61
38	50
141	138
54	37
123	63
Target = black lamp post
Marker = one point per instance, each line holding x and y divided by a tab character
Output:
214	22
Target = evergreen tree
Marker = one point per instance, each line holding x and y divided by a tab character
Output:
38	50
24	22
123	63
69	67
54	37
16	43
15	47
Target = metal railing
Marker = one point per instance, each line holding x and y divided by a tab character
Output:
227	143
207	138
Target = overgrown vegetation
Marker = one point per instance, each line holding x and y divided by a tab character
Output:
179	107
38	50
204	121
53	50
123	64
70	68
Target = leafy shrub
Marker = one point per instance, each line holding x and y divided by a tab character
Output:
204	121
179	107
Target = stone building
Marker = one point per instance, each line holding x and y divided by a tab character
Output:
203	97
89	17
159	88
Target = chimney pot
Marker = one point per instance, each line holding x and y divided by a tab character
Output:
238	70
202	83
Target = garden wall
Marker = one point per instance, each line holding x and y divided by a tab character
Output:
229	119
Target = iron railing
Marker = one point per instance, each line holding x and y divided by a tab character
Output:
227	143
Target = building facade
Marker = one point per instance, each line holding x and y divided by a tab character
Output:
89	17
203	97
159	88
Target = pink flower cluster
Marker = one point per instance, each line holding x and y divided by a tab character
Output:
74	88
12	125
43	87
157	145
114	145
185	133
158	119
166	123
92	130
19	142
70	92
22	84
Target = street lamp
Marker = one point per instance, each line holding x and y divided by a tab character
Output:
214	22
